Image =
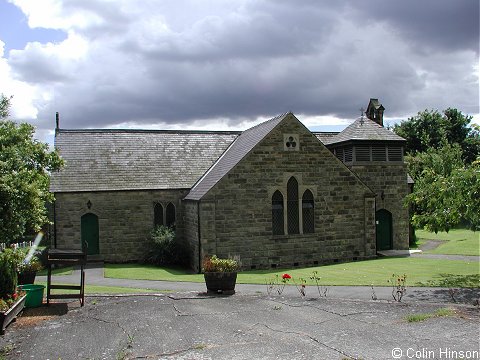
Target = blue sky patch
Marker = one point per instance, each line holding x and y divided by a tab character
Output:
15	33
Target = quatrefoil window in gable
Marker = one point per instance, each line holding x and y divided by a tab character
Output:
291	142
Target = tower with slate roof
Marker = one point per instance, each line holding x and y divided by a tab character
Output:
375	155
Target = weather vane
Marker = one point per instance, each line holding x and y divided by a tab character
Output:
362	110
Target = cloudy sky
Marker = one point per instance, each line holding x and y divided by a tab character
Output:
217	64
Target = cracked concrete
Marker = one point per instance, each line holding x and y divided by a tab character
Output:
187	326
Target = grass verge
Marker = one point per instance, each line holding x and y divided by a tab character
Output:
425	316
61	271
456	242
420	272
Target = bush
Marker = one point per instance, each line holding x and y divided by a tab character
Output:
164	248
8	273
33	265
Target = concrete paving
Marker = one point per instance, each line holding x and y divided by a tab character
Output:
194	326
185	323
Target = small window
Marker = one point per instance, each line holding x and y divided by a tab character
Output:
158	214
395	153
277	213
362	153
293	224
348	154
291	142
308	212
339	153
170	216
379	153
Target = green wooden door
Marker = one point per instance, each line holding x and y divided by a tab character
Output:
383	220
89	233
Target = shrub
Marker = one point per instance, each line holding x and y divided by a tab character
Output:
8	273
164	249
33	265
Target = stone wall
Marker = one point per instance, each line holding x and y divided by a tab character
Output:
391	179
191	234
125	219
236	215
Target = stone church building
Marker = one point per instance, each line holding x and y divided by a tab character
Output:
274	195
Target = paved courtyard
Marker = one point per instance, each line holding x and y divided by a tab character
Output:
190	325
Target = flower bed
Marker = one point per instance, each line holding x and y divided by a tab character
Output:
14	308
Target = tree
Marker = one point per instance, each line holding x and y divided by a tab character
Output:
25	165
442	151
446	192
430	129
4	106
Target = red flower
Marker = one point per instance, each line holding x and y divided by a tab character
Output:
286	276
14	296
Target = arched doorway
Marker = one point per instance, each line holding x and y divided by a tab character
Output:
383	221
89	233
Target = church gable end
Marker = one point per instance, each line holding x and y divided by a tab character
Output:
286	205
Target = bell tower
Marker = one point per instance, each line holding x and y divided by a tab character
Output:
375	111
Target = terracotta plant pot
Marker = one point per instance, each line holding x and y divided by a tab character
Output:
6	317
220	282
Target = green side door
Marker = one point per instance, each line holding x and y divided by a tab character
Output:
383	221
89	233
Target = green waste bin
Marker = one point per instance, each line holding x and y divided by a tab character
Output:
34	295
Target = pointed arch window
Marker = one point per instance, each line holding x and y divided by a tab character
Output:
170	216
277	213
292	206
308	212
158	214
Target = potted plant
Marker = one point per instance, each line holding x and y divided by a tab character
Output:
12	301
28	270
27	266
220	275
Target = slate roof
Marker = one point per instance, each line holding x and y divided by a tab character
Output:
362	129
325	136
98	160
232	156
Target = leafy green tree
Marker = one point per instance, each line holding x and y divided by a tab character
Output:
430	129
25	165
446	192
4	106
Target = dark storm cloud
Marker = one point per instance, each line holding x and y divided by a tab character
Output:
178	61
445	24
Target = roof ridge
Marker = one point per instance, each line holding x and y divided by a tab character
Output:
267	121
153	131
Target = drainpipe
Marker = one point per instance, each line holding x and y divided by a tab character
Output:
54	222
199	239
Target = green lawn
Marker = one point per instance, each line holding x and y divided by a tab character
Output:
420	272
61	271
457	242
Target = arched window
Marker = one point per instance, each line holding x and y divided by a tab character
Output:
170	216
308	212
292	206
277	213
158	214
